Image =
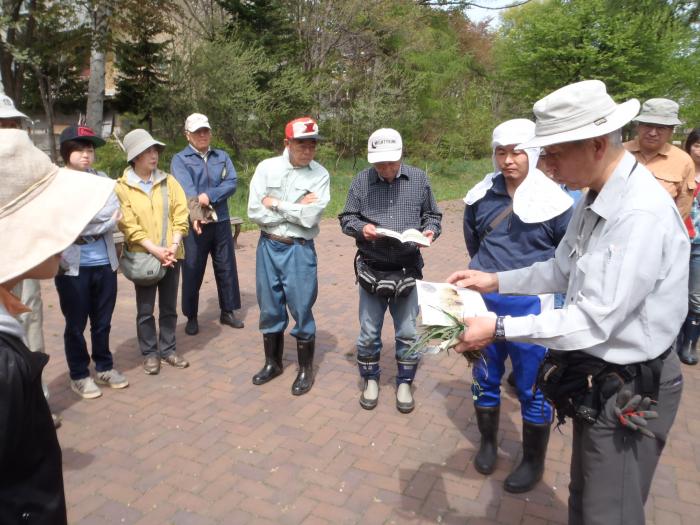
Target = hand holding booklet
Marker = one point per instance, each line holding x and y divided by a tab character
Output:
410	235
436	298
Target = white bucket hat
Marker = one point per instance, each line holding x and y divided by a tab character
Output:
660	111
578	111
138	141
43	208
384	145
8	110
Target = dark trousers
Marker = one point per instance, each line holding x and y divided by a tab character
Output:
215	239
91	294
149	340
611	467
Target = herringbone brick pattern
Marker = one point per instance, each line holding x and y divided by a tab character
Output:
205	446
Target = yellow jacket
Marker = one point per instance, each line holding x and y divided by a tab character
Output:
143	213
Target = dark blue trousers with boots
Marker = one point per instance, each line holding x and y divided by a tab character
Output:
688	339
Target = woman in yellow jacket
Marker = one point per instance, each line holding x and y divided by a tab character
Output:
140	194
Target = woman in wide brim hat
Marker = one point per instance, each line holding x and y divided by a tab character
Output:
141	190
87	288
43	208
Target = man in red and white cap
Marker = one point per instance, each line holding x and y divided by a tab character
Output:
288	194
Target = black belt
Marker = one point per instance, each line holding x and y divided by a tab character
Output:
284	240
87	239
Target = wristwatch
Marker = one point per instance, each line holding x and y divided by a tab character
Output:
274	204
500	333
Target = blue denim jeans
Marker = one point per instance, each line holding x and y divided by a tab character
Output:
694	280
404	311
286	278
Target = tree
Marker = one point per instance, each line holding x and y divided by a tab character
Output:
632	48
100	15
142	57
51	65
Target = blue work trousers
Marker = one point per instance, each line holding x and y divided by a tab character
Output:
404	311
525	357
216	240
286	278
92	295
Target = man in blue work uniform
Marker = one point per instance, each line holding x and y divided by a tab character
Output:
208	176
287	197
516	216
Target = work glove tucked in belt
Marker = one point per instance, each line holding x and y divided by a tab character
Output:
633	412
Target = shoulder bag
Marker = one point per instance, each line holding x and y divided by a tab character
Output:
143	269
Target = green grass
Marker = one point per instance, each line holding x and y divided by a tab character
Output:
450	179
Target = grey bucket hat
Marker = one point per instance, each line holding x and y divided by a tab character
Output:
138	141
660	111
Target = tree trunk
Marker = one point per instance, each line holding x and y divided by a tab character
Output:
96	91
47	101
96	85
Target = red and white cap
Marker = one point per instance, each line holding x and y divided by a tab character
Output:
301	128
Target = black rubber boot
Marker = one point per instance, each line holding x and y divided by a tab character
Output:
274	345
687	347
487	421
529	472
305	377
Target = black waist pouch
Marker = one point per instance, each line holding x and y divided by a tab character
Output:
385	283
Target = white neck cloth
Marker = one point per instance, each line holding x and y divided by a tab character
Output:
538	198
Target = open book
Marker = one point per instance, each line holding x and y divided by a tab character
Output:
411	235
434	298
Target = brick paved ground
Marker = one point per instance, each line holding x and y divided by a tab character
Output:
204	446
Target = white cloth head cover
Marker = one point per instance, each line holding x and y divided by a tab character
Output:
538	198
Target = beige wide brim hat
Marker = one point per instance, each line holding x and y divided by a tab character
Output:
43	208
137	141
577	112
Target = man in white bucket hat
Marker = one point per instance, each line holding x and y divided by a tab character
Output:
610	359
43	209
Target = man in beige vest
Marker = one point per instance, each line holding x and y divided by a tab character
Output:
671	166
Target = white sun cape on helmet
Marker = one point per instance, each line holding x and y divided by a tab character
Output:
538	198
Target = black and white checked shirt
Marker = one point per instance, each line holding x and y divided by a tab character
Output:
406	202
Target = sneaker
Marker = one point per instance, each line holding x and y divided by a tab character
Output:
85	388
151	365
112	378
175	360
